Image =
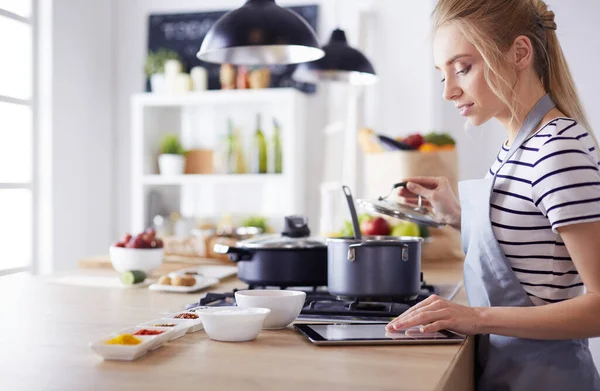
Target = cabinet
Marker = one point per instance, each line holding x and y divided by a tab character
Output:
200	119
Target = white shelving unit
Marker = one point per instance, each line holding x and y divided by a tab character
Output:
200	119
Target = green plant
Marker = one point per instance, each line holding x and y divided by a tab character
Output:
155	61
170	145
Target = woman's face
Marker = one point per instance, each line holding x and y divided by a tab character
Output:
461	67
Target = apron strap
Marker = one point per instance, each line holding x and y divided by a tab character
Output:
539	111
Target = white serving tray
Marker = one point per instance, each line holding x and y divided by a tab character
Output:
130	352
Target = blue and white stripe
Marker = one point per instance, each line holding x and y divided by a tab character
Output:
551	181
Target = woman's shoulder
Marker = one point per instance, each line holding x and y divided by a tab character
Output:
560	133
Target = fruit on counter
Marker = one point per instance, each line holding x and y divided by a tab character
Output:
146	239
375	227
132	277
347	230
406	228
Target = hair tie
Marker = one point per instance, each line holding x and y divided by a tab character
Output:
547	20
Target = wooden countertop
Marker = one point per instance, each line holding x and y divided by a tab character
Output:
46	327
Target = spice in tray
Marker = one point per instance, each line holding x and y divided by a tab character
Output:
148	332
164	325
124	339
186	316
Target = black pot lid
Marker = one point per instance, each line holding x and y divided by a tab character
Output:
401	211
277	241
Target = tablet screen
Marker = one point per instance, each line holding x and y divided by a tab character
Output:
371	332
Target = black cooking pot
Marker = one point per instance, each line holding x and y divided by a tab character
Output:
375	267
288	259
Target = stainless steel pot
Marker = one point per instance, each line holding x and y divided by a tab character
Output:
374	267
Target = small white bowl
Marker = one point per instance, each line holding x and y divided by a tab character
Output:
145	259
285	305
232	324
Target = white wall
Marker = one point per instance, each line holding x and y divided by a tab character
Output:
82	131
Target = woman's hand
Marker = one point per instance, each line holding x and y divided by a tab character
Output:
435	314
438	194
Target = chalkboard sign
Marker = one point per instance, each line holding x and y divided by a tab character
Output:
184	33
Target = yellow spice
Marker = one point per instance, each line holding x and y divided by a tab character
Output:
124	339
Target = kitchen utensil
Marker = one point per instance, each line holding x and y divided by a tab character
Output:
232	324
285	305
419	214
291	258
350	200
375	267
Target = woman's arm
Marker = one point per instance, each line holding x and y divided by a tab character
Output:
569	319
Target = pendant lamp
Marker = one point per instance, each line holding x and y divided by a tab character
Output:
341	63
260	33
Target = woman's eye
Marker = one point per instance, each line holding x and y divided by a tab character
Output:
464	71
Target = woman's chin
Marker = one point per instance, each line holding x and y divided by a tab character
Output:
477	120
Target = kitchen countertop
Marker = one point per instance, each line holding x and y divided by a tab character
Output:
46	328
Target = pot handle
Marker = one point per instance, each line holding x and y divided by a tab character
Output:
235	254
353	248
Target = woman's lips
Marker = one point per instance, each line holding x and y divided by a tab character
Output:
464	110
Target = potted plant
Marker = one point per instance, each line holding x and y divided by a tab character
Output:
155	67
171	160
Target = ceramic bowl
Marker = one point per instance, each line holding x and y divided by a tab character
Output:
232	324
145	259
285	305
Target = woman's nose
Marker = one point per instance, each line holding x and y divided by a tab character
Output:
451	90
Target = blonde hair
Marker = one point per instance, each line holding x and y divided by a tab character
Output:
492	26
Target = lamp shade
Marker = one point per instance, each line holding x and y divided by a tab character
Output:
260	33
341	63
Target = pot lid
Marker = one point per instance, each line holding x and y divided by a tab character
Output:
419	215
278	241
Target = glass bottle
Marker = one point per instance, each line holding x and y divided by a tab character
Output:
259	150
277	152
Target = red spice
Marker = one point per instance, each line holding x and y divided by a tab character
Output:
187	316
148	332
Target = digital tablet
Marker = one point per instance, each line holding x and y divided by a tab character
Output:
372	334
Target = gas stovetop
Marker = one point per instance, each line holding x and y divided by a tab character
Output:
321	306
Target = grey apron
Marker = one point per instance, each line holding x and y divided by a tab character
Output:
509	363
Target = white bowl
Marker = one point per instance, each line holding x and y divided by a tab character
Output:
232	324
285	305
145	259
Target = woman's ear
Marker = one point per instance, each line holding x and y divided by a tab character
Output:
521	52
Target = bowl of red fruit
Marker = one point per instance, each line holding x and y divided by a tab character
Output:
141	252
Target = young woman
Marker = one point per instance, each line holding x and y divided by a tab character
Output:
531	228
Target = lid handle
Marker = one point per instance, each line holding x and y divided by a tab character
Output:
403	184
295	227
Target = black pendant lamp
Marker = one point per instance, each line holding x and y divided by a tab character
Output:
342	63
260	33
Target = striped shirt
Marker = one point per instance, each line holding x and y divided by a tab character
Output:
551	181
